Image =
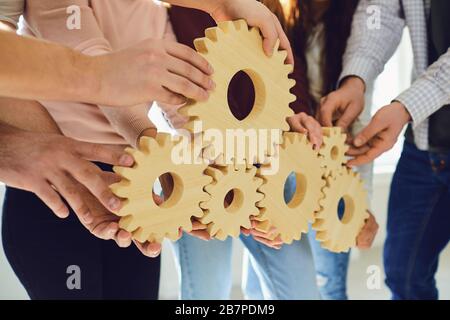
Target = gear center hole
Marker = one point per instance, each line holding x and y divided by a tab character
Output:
245	105
294	189
345	209
233	200
170	187
334	153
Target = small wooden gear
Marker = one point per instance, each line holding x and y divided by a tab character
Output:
239	186
232	47
291	219
140	214
332	151
339	234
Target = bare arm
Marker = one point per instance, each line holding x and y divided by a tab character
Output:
27	115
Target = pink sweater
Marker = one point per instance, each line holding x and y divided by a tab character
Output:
106	25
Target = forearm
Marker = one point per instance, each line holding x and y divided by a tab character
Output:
38	70
27	115
204	5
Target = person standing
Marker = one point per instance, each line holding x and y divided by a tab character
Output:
418	220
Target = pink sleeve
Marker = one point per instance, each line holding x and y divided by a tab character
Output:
48	20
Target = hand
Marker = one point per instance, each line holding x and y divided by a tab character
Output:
257	15
199	230
341	107
380	135
51	165
266	238
157	70
303	123
367	234
102	223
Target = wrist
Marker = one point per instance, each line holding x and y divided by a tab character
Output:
88	77
403	112
354	82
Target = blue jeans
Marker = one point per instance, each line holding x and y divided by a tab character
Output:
205	269
331	268
418	226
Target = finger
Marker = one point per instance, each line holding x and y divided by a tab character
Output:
100	153
270	35
375	151
352	151
163	95
149	249
123	238
71	191
190	56
314	130
296	124
110	177
374	127
90	176
189	72
197	225
184	87
284	41
329	104
351	112
106	230
245	232
52	199
275	245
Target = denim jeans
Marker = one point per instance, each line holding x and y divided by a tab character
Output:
331	268
418	226
205	270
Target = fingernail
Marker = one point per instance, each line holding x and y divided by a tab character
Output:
358	142
114	203
211	84
126	160
210	69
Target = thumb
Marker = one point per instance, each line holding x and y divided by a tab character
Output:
372	129
349	115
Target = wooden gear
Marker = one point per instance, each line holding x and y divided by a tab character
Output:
231	47
335	234
291	219
222	220
333	149
140	214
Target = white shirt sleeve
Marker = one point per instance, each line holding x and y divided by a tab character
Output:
11	10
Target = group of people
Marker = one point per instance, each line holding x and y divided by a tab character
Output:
84	95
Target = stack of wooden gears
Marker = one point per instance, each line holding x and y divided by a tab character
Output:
226	196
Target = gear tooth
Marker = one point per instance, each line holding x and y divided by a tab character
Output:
209	188
327	131
128	223
321	236
207	217
215	173
163	139
280	55
120	189
213	33
174	236
124	172
240	25
220	235
203	205
226	26
263	226
254	31
141	236
202	45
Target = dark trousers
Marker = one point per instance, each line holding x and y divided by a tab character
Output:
59	259
418	227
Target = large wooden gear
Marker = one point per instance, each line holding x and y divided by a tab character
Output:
291	219
226	215
232	47
199	190
332	152
339	234
140	214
